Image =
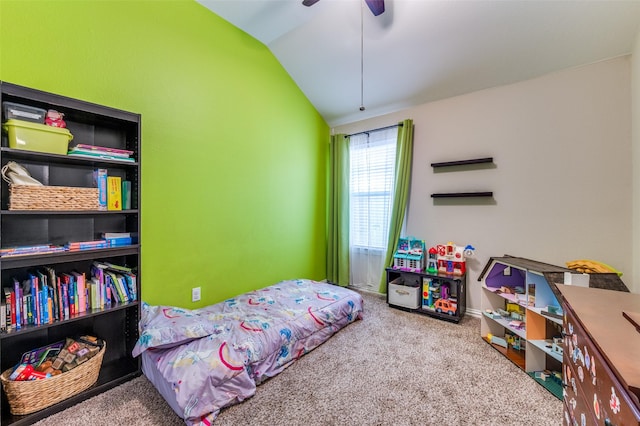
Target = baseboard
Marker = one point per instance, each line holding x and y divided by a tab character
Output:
476	313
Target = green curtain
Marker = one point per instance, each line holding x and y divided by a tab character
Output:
338	214
404	154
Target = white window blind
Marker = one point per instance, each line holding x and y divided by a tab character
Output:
372	169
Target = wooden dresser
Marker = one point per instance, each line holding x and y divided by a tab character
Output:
601	357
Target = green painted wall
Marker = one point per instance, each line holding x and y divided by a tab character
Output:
233	154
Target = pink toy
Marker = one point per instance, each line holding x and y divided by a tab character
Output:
54	119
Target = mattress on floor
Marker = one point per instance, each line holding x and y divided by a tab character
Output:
205	359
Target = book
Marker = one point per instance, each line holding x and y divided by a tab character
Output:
100	181
86	245
114	193
65	300
112	281
97	272
113	293
81	290
122	241
104	156
26	309
36	356
108	235
101	149
3	316
17	289
126	194
27	250
35	290
10	303
113	266
52	282
50	309
95	293
131	285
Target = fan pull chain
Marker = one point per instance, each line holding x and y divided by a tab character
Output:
361	57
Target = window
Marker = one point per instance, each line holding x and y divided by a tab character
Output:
372	169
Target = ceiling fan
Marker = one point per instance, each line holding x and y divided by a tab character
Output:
376	6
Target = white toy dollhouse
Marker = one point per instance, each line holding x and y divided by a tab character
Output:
409	255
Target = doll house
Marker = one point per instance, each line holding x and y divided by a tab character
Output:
409	255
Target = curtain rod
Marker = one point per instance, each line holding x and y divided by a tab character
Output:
373	130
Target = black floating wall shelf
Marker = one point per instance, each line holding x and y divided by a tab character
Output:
462	194
463	162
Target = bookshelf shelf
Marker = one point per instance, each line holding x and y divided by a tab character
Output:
27	329
116	324
12	262
68	213
43	157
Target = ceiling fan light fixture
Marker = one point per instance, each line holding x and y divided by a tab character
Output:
376	6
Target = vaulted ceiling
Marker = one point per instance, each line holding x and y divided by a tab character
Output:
424	50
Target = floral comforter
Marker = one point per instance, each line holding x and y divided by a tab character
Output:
215	356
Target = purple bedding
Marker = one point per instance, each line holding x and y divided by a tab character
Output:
215	356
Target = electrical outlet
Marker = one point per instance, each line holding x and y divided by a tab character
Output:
195	294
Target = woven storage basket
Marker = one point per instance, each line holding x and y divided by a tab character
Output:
26	397
28	197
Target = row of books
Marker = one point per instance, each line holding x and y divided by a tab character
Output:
112	239
35	249
103	152
46	296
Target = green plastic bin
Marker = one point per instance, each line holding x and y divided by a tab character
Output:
37	137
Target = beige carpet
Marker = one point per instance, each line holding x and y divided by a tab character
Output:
392	368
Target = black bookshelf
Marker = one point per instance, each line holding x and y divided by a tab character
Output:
117	325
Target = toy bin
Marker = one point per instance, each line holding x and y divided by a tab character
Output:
37	137
404	293
23	112
29	396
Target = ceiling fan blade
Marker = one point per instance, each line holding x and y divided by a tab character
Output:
309	2
376	6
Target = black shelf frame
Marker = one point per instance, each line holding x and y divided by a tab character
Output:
460	282
117	324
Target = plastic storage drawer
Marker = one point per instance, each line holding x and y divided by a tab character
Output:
23	112
403	295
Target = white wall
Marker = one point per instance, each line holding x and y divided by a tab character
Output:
562	180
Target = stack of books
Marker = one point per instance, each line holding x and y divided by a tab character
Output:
115	239
86	245
93	151
35	249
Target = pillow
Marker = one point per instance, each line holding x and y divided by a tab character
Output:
588	266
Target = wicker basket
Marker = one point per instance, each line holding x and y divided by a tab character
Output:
28	197
26	397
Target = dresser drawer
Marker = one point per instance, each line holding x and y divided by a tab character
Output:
587	375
